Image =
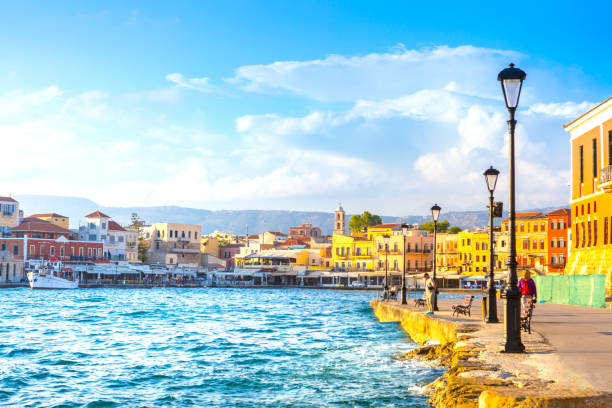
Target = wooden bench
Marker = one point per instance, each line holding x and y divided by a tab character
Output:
465	307
526	315
420	302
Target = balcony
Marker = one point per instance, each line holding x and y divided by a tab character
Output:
605	178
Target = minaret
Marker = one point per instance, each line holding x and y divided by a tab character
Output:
339	221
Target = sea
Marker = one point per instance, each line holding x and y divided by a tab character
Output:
206	347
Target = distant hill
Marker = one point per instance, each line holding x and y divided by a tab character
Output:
230	221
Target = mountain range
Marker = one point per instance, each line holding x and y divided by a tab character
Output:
234	221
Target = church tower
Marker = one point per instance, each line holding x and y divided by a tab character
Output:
339	221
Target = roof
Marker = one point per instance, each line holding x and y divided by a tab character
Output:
527	215
280	234
97	214
113	226
561	211
385	225
33	224
586	113
9	199
48	215
253	236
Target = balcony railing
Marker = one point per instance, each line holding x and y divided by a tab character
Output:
605	175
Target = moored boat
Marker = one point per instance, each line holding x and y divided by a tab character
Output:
51	276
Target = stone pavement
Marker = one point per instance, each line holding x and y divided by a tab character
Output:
579	337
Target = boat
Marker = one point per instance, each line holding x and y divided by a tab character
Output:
51	275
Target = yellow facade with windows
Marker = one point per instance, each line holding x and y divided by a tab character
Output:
473	248
447	252
591	193
352	253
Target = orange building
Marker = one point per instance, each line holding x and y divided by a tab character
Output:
591	193
558	227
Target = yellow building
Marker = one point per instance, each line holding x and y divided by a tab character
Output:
9	215
210	245
473	248
352	253
591	193
55	219
531	240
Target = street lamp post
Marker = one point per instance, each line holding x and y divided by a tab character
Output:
386	237
491	179
511	82
404	232
435	213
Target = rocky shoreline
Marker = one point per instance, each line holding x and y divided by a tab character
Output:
478	375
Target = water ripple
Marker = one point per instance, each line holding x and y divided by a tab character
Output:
208	347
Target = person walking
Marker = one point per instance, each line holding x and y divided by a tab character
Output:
430	292
528	289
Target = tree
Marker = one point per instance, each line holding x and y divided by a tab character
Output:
359	222
136	222
442	226
454	229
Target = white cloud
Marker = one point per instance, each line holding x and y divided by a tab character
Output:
400	71
89	105
197	84
20	101
565	110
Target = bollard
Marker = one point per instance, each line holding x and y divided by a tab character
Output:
484	308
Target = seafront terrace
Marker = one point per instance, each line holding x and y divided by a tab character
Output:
567	359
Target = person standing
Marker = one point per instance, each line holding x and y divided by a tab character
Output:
528	289
430	292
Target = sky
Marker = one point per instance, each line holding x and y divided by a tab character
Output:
382	106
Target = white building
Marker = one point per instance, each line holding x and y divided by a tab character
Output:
95	228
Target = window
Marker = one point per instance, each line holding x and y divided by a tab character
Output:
525	244
552	243
477	258
594	232
541	244
103	225
189	234
3	246
484	259
542	227
534	244
522	227
594	206
62	251
120	238
554	259
71	251
590	233
581	158
594	158
15	250
81	251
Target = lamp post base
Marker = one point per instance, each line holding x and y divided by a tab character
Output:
492	307
512	317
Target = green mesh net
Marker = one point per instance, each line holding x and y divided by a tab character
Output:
583	290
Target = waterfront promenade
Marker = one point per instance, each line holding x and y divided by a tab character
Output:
568	353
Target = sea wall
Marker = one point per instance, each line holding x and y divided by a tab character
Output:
477	375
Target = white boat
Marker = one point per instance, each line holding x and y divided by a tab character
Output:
46	275
45	280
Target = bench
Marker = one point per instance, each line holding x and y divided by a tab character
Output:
420	302
526	315
465	307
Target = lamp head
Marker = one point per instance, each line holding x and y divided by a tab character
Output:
491	178
435	212
511	79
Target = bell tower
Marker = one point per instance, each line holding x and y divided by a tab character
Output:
339	221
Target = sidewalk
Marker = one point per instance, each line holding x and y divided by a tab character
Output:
572	343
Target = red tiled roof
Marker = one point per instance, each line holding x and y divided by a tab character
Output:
48	215
253	236
9	199
113	226
385	226
32	224
97	214
561	211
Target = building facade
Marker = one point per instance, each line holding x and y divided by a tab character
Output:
95	228
558	239
591	193
173	244
447	252
531	240
305	230
474	252
55	219
9	215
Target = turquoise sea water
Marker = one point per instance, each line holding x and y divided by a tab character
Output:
202	347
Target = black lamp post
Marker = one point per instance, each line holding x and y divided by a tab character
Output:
491	179
386	237
405	233
511	82
435	214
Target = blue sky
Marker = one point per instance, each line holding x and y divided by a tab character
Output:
292	105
